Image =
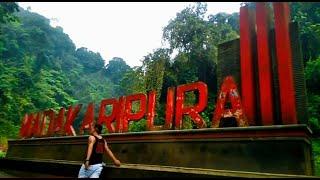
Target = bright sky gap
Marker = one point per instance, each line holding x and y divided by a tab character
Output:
118	29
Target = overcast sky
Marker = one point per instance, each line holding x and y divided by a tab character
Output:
118	29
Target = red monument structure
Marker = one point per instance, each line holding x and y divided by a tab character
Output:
262	88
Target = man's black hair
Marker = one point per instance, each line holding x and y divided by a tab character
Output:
98	128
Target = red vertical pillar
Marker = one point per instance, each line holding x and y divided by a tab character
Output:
264	64
284	59
247	30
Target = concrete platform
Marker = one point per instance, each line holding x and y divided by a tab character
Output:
236	152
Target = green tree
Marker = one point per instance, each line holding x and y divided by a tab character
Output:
312	74
41	69
154	66
116	68
6	12
196	40
133	81
92	62
308	16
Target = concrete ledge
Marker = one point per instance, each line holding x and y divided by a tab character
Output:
71	169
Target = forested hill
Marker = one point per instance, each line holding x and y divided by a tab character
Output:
40	67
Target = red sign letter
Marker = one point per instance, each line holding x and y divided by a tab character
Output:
229	91
46	113
120	114
169	107
88	118
192	111
25	126
56	123
129	116
58	127
151	112
71	115
108	119
35	131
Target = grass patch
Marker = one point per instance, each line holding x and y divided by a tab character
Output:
316	155
3	143
2	154
3	146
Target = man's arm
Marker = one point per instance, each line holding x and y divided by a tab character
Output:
110	154
91	140
73	131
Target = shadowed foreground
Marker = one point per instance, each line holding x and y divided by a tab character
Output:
10	173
